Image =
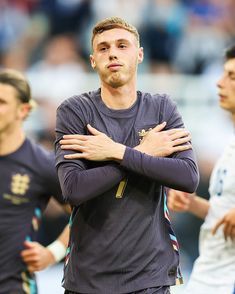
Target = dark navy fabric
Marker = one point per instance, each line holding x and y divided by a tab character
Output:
121	245
28	179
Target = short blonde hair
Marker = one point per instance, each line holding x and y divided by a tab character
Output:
18	81
113	23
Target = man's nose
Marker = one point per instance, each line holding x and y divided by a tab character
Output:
112	53
220	83
112	57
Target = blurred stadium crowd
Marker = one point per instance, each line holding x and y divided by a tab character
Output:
184	36
49	40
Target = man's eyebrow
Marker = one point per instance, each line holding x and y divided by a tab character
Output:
230	73
119	41
102	43
123	40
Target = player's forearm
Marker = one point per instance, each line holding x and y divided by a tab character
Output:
117	152
59	246
179	173
79	186
64	236
198	206
38	257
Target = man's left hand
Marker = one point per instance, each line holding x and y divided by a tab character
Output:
229	225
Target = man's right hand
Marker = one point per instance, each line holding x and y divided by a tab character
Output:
185	202
178	201
164	143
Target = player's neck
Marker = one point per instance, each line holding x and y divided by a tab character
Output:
11	141
118	98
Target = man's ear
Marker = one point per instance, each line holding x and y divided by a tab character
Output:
24	110
92	60
141	55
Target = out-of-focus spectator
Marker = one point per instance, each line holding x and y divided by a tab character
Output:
13	23
67	16
163	22
59	74
22	29
129	10
207	33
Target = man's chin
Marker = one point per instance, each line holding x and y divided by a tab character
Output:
224	106
116	83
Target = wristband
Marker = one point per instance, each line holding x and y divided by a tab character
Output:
57	249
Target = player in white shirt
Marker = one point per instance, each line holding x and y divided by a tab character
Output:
214	269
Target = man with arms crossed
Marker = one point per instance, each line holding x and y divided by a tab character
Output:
28	179
121	238
214	269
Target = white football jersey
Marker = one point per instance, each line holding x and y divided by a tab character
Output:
214	269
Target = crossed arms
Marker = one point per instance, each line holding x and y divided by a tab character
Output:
151	158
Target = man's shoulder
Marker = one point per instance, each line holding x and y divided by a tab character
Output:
80	99
34	158
158	104
38	153
155	98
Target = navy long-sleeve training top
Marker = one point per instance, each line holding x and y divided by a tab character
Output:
121	237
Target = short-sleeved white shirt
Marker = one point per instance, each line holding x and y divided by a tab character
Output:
214	269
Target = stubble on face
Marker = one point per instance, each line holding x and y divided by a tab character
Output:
126	57
119	78
115	80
